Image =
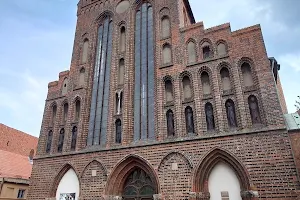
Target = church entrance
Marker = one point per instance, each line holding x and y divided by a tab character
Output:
138	186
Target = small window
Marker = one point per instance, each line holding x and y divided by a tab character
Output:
206	52
187	88
85	51
31	155
191	52
226	84
170	123
61	140
77	110
231	115
65	116
169	91
49	141
65	86
167	54
222	49
74	138
247	75
123	39
82	77
254	110
189	120
121	72
21	194
118	124
165	27
205	83
210	119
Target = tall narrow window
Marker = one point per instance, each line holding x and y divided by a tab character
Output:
165	27
74	138
191	52
187	88
170	123
189	120
77	110
169	91
82	77
53	117
119	101
254	110
123	39
65	115
31	155
167	54
222	49
206	52
205	83
121	72
118	131
210	119
85	51
61	140
230	111
49	141
101	81
226	84
144	122
65	87
247	75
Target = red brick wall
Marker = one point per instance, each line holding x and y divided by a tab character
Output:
265	156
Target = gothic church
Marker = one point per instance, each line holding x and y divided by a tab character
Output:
155	106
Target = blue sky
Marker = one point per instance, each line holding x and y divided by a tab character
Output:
37	40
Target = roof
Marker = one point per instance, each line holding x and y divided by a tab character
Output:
16	141
14	165
292	121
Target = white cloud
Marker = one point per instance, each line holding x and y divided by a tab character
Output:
291	60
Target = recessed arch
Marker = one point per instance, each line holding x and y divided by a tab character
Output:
124	168
209	161
63	170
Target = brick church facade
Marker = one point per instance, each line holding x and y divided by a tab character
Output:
155	106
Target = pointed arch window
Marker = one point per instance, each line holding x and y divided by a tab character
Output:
165	27
85	51
144	74
121	72
254	110
170	123
118	125
167	54
226	83
81	76
123	39
101	85
210	119
206	88
231	115
189	120
49	141
187	88
191	47
119	102
169	91
247	75
74	138
61	140
77	110
222	50
65	115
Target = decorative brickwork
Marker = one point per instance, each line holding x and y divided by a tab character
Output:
260	154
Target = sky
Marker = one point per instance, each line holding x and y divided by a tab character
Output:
37	37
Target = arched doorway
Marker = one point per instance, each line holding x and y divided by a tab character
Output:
138	186
133	178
